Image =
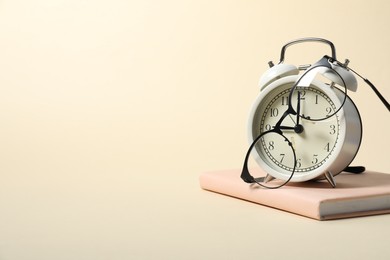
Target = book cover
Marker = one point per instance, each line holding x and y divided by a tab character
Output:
355	195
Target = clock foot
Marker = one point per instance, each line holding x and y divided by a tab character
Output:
268	178
329	177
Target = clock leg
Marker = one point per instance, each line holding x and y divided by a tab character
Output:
329	177
268	178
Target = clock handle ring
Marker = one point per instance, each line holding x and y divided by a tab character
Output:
308	39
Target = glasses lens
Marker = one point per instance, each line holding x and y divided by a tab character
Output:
319	94
274	156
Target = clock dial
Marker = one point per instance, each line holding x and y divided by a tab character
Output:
315	141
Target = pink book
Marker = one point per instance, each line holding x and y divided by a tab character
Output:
355	194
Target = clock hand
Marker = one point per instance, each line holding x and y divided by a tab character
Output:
298	127
298	107
292	119
278	126
282	127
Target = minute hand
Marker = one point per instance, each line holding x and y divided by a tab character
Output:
298	108
298	127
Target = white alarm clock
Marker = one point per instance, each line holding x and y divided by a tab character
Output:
303	125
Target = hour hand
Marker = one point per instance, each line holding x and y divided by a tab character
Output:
298	107
297	129
282	127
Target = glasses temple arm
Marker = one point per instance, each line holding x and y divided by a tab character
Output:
384	101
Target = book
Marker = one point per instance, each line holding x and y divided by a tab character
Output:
355	195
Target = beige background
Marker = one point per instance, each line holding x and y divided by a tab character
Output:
110	110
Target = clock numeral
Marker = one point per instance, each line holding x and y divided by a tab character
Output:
303	94
267	127
327	147
332	129
328	111
315	159
316	102
284	101
298	163
271	145
282	157
274	112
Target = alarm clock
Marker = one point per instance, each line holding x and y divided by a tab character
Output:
303	125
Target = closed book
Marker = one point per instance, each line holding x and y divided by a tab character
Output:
355	195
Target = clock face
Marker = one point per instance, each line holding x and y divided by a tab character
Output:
313	147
